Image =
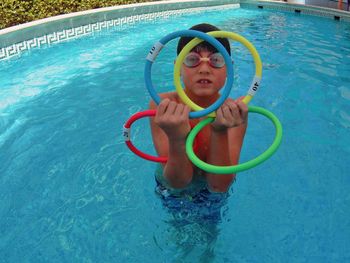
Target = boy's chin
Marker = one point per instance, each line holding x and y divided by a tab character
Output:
205	92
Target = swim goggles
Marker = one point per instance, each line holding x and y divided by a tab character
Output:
216	60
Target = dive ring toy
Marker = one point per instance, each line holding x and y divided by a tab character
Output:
126	134
219	34
239	167
205	37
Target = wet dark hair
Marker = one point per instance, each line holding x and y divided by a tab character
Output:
205	28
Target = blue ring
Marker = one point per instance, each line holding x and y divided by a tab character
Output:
218	46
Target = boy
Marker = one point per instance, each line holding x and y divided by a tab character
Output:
203	74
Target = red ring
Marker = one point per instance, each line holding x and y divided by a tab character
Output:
128	124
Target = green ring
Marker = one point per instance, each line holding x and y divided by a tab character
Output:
239	167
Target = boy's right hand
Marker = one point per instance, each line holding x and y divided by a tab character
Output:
173	119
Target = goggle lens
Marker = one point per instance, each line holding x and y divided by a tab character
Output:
216	60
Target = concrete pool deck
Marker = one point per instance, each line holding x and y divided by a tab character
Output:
322	3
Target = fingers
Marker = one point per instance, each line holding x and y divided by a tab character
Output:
162	107
171	108
186	111
243	109
234	110
240	98
179	108
231	114
226	111
223	118
168	108
182	112
173	119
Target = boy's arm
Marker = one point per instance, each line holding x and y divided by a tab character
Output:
225	148
227	134
170	141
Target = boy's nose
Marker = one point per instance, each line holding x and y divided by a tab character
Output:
204	67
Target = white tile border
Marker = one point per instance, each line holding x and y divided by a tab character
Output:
71	33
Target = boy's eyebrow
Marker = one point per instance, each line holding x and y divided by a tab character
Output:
201	48
209	51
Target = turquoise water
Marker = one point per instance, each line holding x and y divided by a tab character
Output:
71	191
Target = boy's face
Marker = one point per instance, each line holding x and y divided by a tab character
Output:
203	80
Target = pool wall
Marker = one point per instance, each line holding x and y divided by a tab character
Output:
17	39
297	8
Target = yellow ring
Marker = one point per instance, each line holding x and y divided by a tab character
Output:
217	34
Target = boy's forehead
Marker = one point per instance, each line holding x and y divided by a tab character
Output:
202	48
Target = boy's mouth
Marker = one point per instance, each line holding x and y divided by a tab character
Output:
204	81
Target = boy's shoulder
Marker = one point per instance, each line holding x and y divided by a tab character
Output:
173	96
170	95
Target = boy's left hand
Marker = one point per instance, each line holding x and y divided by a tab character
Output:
230	114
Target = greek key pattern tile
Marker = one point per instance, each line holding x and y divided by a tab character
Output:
56	37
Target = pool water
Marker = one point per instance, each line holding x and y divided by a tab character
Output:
71	191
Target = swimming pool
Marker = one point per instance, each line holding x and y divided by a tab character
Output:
72	192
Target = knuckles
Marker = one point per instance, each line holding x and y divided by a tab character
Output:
171	114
